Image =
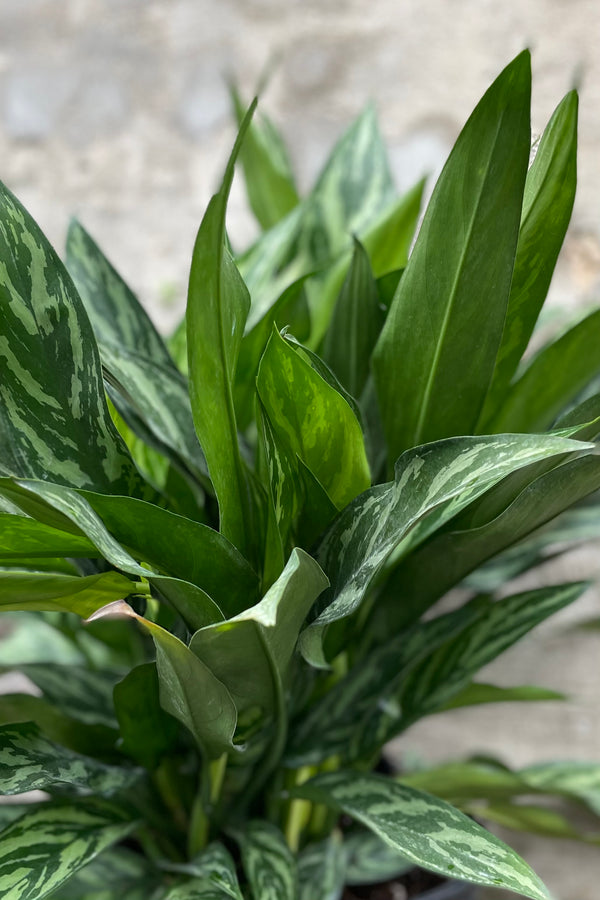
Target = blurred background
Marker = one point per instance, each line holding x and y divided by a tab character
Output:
117	111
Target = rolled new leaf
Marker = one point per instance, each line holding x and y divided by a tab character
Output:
425	830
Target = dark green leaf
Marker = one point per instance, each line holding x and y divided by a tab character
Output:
54	422
355	325
369	859
115	873
547	205
78	691
435	357
218	304
146	730
66	593
24	537
552	379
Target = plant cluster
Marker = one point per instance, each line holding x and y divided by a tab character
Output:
257	519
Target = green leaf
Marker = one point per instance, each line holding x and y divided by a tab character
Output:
22	537
66	593
476	693
425	830
30	761
322	870
54	422
577	779
28	637
147	732
451	301
432	484
189	691
267	170
113	309
251	653
83	738
355	325
552	379
45	847
547	205
268	862
193	549
115	873
474	779
338	723
78	691
370	860
314	420
216	866
420	579
218	304
289	310
450	668
534	820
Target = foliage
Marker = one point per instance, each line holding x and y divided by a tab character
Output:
254	518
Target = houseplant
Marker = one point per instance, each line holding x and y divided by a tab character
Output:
255	520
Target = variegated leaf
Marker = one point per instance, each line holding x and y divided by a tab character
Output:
83	693
322	870
268	862
426	830
214	870
29	761
369	859
335	724
54	422
575	778
432	484
45	847
115	873
314	420
251	652
189	691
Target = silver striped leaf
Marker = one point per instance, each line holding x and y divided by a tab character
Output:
268	862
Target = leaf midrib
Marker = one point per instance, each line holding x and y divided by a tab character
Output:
424	406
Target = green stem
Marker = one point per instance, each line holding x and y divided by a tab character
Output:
211	782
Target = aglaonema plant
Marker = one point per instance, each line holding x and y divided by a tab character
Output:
253	520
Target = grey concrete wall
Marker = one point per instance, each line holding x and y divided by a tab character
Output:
116	110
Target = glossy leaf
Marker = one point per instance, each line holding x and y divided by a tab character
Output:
453	287
449	668
54	422
420	579
268	862
30	761
146	731
45	847
314	420
65	593
24	537
189	691
251	653
432	484
322	870
267	169
335	725
218	304
552	379
355	325
547	205
425	830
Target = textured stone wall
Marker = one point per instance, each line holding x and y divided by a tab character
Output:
116	110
